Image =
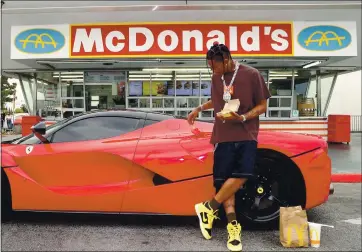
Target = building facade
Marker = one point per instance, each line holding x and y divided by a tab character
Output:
151	56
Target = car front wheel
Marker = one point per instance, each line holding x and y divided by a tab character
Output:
277	182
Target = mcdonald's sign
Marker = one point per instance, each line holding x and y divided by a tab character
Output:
184	39
39	41
324	38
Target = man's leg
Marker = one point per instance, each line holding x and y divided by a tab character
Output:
229	206
229	188
243	169
224	155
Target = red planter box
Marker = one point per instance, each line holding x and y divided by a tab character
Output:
339	128
27	123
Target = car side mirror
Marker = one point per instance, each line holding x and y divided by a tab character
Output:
39	130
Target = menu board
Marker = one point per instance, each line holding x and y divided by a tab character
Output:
157	88
182	88
205	88
135	88
195	88
104	77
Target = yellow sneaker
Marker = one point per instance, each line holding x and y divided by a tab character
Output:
206	219
234	238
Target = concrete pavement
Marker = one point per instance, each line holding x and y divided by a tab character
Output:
346	158
40	232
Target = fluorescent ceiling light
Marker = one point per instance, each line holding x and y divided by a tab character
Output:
74	80
69	73
147	79
282	75
175	69
312	64
69	76
153	76
155	8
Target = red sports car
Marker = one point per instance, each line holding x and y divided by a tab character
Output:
149	163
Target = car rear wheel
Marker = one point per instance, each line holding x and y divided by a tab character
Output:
277	182
6	210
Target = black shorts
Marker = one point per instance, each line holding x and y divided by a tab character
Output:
233	160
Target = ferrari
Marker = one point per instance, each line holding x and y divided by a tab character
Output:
139	162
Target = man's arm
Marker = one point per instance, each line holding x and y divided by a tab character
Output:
207	105
256	111
191	117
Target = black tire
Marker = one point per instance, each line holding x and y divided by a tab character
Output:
277	182
6	205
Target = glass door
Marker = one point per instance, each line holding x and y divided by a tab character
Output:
72	97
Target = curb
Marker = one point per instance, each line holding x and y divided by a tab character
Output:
347	178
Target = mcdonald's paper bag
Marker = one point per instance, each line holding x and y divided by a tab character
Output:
293	227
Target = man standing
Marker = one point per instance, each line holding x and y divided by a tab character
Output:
234	137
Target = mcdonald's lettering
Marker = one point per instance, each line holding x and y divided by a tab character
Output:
39	41
324	38
300	230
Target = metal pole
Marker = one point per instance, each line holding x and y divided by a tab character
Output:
200	114
174	76
319	93
35	94
24	94
126	86
84	101
267	83
330	93
292	99
308	84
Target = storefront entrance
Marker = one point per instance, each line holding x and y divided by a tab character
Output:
176	90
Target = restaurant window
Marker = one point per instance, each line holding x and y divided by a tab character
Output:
148	90
169	91
305	101
105	90
280	83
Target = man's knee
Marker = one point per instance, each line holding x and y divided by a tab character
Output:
239	182
218	183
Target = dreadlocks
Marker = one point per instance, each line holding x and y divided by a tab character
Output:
218	52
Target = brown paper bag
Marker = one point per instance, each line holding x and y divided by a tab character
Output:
293	227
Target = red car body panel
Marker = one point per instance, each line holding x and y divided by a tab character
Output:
117	174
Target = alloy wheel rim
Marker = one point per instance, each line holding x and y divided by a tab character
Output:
261	196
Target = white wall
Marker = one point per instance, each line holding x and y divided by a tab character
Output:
346	97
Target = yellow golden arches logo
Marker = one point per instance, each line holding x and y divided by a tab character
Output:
324	38
300	231
314	237
38	40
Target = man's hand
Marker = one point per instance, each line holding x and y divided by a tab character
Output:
192	116
232	117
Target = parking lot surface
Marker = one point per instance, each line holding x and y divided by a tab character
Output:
40	232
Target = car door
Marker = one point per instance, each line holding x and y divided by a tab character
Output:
85	167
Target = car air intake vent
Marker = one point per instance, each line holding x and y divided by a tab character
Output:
159	180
